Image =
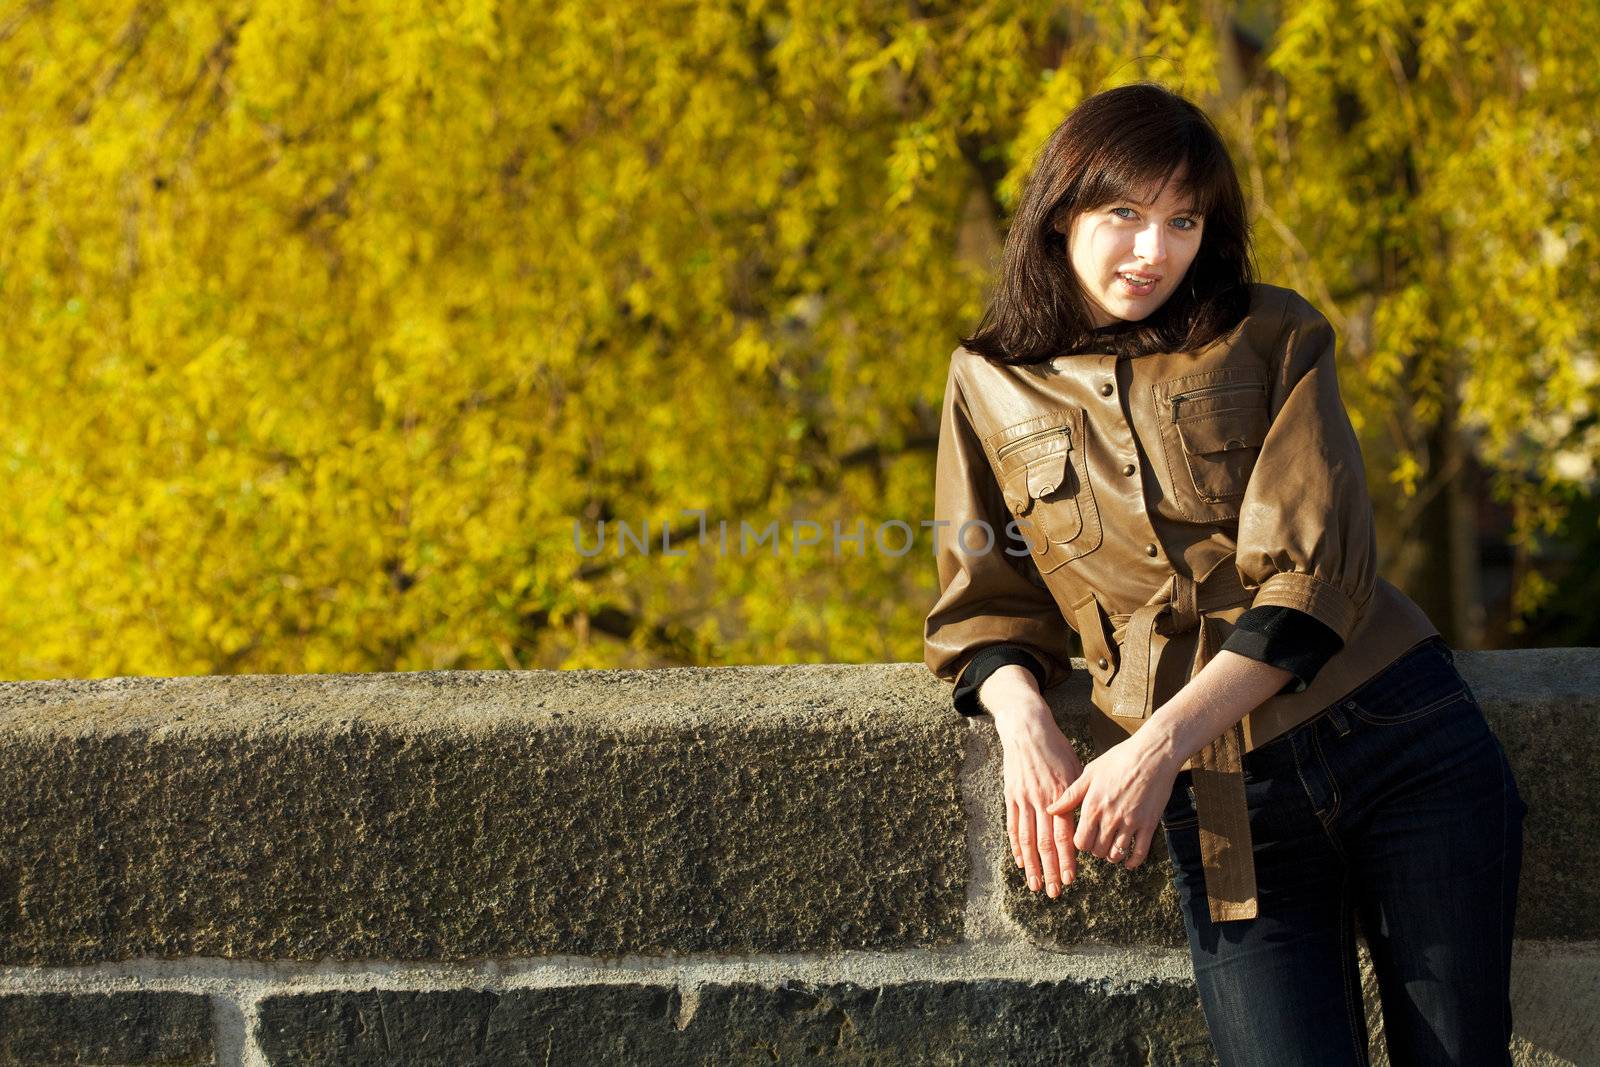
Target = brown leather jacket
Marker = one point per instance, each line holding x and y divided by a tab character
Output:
1154	500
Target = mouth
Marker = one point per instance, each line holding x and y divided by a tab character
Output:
1137	284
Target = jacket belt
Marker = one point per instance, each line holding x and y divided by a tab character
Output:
1179	607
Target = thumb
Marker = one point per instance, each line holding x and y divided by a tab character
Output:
1071	798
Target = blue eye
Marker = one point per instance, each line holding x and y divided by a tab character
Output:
1129	210
1191	224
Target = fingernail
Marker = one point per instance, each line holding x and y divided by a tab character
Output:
1052	890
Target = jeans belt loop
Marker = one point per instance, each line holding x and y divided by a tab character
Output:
1336	716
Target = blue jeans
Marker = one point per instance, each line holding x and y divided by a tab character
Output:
1395	805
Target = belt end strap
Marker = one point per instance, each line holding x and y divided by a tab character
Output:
1133	689
1225	844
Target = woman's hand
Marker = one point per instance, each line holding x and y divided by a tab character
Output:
1122	794
1124	791
1039	763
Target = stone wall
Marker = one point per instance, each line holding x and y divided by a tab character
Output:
735	865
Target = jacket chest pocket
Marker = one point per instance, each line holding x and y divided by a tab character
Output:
1212	428
1044	477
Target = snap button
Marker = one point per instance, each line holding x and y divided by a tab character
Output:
1105	390
1104	663
1150	550
1128	468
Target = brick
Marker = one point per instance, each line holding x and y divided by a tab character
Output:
132	1029
984	1021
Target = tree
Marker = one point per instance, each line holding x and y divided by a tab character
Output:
326	322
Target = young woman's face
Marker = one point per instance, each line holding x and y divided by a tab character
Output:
1153	243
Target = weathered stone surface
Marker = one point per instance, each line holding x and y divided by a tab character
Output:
1017	1023
132	1029
451	815
1544	705
460	815
1104	904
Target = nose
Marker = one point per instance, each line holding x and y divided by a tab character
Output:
1150	245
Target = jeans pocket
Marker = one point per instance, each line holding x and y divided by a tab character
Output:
1421	683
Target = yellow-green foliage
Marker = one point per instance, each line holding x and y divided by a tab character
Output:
323	322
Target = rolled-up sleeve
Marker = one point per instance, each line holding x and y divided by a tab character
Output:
985	663
1306	535
988	596
1285	638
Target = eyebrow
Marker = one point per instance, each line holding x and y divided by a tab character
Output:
1192	209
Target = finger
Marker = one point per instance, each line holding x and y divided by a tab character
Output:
1011	830
1047	852
1066	855
1087	839
1030	854
1088	832
1141	847
1120	844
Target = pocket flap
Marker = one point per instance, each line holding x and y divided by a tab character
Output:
1048	473
1221	431
1042	477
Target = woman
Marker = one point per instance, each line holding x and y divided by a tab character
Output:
1144	443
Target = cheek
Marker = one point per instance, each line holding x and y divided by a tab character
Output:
1178	260
1088	258
1107	252
1191	249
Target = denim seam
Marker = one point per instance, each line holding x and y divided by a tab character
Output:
1326	829
1316	743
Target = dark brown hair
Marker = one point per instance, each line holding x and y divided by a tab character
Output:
1108	148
